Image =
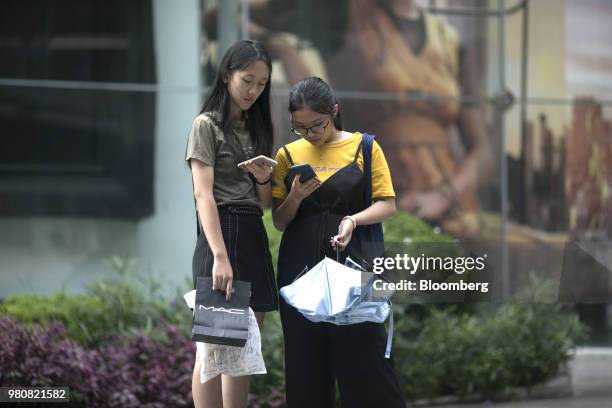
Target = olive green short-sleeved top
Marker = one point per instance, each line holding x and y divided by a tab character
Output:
210	145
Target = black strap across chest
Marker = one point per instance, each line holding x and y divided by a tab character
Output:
293	164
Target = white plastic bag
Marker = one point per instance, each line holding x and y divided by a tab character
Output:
218	359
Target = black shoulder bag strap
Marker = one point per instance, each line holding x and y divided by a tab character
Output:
372	234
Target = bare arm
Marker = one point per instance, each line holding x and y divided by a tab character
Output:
474	168
264	192
203	181
285	47
263	174
284	211
379	211
479	159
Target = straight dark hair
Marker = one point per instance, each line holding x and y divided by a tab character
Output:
258	118
316	94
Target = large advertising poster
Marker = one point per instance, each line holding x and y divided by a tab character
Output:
402	73
429	80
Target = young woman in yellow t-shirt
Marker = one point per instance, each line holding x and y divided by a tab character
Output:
331	205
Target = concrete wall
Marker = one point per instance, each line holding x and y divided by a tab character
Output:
41	255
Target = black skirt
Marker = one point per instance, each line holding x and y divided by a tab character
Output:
248	251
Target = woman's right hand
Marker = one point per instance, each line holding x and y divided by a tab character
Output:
430	205
223	276
300	191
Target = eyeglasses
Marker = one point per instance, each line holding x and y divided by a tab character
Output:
315	130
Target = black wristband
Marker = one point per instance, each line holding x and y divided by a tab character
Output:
265	182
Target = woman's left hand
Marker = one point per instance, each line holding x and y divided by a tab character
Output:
262	172
345	232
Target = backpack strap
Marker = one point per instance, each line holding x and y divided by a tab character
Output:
372	234
288	155
359	149
367	141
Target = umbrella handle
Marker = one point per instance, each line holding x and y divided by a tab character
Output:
335	240
300	274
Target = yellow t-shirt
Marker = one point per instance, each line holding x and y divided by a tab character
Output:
328	159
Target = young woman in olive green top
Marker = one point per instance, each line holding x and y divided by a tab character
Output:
234	126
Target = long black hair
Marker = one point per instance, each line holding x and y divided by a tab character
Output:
258	118
317	95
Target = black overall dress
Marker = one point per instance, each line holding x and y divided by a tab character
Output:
318	353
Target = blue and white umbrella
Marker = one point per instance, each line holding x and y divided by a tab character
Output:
334	293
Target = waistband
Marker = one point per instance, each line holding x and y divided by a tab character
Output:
240	210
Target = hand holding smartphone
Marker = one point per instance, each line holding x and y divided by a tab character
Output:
259	160
305	171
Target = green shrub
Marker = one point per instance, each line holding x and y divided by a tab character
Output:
83	315
516	344
442	350
438	349
274	237
123	303
134	302
406	234
405	227
269	389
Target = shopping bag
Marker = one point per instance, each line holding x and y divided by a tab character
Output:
218	359
217	321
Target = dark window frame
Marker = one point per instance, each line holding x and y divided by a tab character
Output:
72	149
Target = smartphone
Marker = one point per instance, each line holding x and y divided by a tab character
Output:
259	160
304	170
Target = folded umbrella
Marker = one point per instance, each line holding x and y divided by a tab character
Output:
324	291
334	293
